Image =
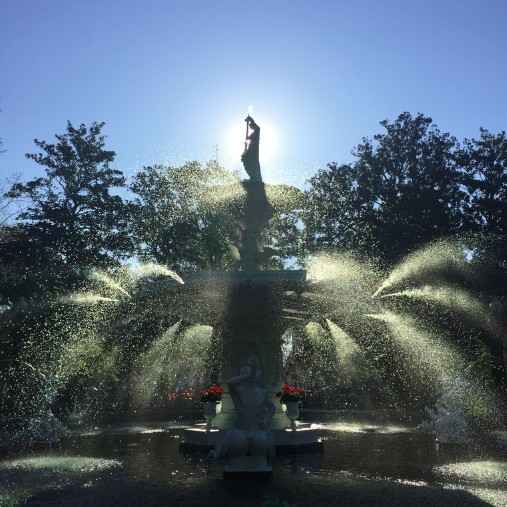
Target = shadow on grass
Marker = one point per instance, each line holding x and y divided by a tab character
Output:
114	487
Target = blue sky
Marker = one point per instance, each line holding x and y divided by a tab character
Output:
171	79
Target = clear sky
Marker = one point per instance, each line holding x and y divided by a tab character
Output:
171	79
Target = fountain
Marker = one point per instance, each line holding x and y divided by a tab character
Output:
385	342
263	304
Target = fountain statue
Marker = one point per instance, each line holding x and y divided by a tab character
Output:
250	444
46	427
447	422
250	157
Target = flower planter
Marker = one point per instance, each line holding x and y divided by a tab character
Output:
209	412
292	411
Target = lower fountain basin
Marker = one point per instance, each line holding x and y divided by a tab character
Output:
364	463
305	440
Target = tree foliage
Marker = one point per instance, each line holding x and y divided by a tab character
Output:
177	222
485	164
19	256
74	210
410	187
402	191
8	208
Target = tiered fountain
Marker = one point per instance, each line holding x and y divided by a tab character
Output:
261	304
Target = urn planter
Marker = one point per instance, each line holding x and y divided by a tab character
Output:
209	412
292	411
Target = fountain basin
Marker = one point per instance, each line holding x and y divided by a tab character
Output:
365	463
304	440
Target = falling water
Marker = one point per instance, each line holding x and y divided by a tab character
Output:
86	299
150	269
455	299
172	363
429	358
109	282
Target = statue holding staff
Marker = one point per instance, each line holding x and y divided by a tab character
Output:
250	157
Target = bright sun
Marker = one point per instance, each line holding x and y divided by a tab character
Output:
236	142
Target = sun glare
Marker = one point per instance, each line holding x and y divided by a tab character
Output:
236	141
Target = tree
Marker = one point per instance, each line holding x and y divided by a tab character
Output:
19	259
74	211
485	164
7	210
177	220
402	192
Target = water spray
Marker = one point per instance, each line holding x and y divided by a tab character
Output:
18	361
154	269
111	283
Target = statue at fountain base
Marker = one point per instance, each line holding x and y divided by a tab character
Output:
447	422
47	428
242	342
450	428
250	445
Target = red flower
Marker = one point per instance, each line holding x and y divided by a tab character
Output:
212	394
290	393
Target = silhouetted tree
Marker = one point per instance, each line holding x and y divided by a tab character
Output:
7	205
402	191
75	211
485	163
176	220
20	258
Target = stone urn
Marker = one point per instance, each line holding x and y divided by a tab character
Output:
209	412
292	411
